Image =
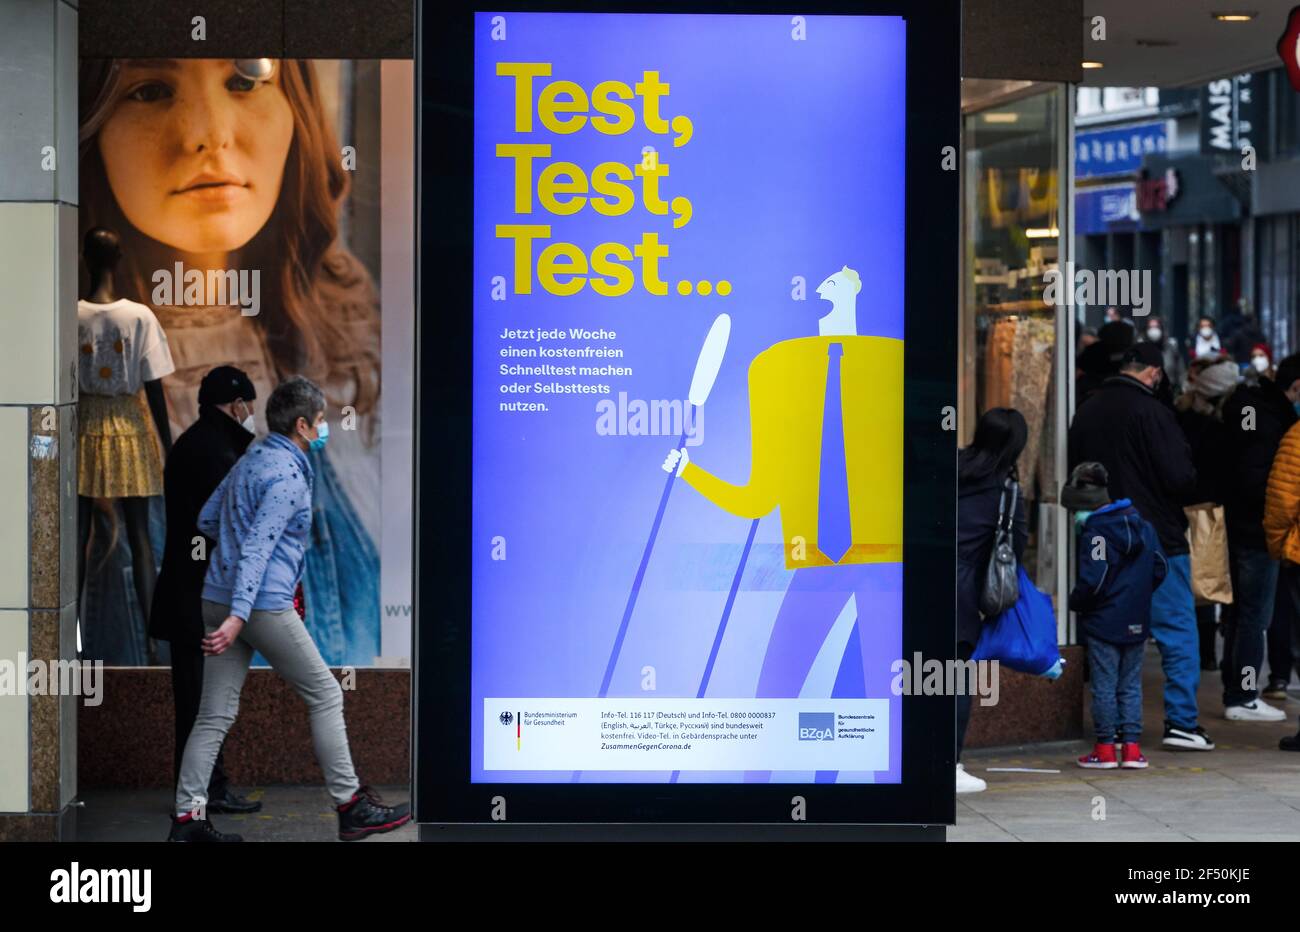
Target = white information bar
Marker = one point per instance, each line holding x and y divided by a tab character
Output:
685	734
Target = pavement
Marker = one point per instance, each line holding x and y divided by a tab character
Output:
289	813
1244	790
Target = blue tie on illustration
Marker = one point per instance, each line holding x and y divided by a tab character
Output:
834	530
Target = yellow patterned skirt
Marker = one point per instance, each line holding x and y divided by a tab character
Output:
118	453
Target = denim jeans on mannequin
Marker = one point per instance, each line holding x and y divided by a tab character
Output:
341	578
111	621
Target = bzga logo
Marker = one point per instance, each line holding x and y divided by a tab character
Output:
816	726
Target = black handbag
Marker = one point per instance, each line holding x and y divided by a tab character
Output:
1001	590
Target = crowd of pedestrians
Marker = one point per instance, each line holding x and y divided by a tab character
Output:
1162	430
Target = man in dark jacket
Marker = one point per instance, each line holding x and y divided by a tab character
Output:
199	460
1137	439
1255	417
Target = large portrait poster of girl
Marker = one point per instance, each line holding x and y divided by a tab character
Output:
264	210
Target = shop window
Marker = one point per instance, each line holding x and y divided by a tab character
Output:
1012	240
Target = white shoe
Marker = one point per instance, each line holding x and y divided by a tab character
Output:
1257	711
968	783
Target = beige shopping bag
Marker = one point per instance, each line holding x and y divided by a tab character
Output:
1207	534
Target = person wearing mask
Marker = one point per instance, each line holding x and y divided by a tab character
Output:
1260	365
199	460
983	469
261	516
1199	409
1256	418
1206	342
1148	461
1154	332
1282	505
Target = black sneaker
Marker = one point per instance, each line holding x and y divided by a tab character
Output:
1276	690
1187	739
198	830
365	814
231	803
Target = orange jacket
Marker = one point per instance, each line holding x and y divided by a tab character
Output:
1282	500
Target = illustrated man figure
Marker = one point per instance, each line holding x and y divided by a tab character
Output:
826	424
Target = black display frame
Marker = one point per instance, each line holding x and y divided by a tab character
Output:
446	803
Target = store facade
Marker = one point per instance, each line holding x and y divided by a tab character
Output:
1017	345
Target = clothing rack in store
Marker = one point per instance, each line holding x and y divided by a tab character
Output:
1017	307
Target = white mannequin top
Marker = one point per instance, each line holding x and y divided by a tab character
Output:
120	347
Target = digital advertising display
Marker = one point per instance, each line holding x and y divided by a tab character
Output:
688	239
678	410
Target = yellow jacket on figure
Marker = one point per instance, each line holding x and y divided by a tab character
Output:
787	394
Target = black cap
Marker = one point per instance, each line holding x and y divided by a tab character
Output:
224	384
1146	353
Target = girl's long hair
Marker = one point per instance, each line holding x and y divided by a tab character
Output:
319	311
1000	438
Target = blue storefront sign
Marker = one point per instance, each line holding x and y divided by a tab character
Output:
1118	150
1108	209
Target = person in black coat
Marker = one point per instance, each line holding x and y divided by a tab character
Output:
1210	381
1136	437
1255	417
199	460
982	472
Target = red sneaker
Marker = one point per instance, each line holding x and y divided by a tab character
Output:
1101	758
1131	756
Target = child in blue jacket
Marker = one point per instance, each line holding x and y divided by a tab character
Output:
1120	566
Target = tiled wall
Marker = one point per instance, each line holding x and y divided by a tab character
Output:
38	281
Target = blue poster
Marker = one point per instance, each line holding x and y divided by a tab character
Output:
687	409
1106	209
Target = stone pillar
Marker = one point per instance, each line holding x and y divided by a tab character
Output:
38	311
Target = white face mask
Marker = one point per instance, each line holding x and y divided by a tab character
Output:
1260	363
248	423
1207	332
1153	334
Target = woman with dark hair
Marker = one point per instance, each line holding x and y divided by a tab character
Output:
213	171
983	470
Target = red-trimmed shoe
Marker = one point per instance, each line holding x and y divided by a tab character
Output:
1101	758
1130	756
365	814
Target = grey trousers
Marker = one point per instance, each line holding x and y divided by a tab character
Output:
283	640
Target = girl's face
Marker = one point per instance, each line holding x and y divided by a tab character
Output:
195	152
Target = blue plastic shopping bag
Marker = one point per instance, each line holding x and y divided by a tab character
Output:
1024	636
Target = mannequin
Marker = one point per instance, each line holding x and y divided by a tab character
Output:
122	348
